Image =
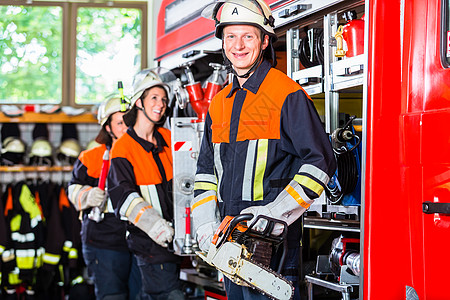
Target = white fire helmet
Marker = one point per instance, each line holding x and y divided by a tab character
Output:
41	153
41	148
109	106
13	144
69	149
241	12
149	78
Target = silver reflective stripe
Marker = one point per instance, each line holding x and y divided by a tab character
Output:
109	207
126	204
150	194
25	253
22	238
155	199
70	192
219	168
316	172
35	221
206	178
248	171
52	259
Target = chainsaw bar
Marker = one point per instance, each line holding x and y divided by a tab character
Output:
281	287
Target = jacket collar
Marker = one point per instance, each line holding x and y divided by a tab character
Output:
160	142
254	81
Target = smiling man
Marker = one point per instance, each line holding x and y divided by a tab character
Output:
264	149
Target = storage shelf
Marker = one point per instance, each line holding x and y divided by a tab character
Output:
330	224
33	117
20	168
348	73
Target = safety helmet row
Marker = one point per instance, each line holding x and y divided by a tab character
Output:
40	152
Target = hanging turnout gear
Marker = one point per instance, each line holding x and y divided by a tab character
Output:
24	218
243	12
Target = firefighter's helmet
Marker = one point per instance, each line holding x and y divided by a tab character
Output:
241	12
41	153
67	153
149	78
14	145
109	106
13	151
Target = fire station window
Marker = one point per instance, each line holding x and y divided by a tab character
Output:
108	50
31	54
445	49
69	52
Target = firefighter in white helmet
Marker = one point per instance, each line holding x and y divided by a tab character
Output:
105	251
140	186
264	149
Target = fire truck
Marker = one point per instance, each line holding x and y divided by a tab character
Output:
378	73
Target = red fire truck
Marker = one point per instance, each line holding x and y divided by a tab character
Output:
379	75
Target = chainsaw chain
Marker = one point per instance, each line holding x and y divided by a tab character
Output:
270	271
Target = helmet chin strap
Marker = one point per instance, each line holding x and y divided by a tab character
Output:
112	135
160	122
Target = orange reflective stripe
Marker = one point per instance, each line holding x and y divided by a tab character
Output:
203	201
38	203
297	196
141	211
9	201
63	199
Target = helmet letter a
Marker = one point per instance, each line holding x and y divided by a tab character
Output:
235	11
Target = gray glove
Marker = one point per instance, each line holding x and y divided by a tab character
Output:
85	196
150	221
285	208
95	197
204	235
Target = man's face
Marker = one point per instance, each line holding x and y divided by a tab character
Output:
242	45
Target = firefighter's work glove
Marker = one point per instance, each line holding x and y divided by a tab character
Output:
146	218
95	197
85	196
204	235
162	232
285	208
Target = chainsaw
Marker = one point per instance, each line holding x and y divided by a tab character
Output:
243	255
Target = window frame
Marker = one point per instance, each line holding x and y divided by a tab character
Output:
69	42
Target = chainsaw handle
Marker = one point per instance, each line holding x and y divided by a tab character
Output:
240	218
233	223
267	232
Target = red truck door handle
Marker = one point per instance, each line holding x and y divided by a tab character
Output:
435	207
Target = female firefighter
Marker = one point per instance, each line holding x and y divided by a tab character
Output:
264	149
140	183
105	250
